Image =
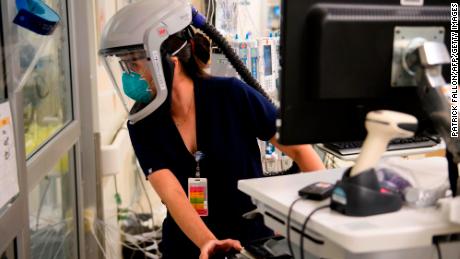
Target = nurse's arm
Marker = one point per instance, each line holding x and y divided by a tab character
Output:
304	155
173	196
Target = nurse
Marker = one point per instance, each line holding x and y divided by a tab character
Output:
194	135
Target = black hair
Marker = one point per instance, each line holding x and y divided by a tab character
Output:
195	56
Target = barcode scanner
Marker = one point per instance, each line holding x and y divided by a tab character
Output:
382	126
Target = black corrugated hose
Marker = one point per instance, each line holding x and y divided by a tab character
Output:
233	58
200	22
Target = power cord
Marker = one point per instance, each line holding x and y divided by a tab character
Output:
438	249
304	226
288	225
117	197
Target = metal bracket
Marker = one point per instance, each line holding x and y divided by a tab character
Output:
405	41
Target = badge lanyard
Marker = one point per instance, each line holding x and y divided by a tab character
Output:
198	189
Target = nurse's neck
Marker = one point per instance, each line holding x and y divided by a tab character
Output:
183	97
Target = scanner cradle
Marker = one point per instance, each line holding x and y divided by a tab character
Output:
362	195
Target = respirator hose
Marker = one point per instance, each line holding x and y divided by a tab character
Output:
200	22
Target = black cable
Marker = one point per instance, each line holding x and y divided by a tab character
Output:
453	172
304	226
288	225
438	249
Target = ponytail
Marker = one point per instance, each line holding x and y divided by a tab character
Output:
195	56
201	49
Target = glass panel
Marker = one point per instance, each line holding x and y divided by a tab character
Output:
47	90
52	214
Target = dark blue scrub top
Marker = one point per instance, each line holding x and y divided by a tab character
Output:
230	115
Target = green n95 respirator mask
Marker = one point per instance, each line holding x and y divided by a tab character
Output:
136	88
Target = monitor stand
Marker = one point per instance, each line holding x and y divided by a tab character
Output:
427	61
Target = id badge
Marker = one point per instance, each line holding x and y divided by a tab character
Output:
198	195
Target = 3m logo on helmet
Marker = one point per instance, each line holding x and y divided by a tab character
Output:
162	31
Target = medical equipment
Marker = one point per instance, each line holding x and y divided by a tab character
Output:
276	62
270	159
274	161
241	47
254	55
260	56
220	65
249	50
267	68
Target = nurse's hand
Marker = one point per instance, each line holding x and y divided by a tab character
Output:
218	246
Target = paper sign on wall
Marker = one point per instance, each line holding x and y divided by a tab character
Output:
8	168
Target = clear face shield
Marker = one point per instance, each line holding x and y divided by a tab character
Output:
130	74
141	78
132	78
131	45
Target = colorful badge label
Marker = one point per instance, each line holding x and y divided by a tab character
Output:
198	195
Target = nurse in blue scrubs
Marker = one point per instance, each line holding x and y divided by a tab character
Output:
207	129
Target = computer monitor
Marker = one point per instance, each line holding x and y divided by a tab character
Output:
340	59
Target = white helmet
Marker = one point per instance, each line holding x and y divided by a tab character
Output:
140	29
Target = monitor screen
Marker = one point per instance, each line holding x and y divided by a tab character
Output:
267	60
340	61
